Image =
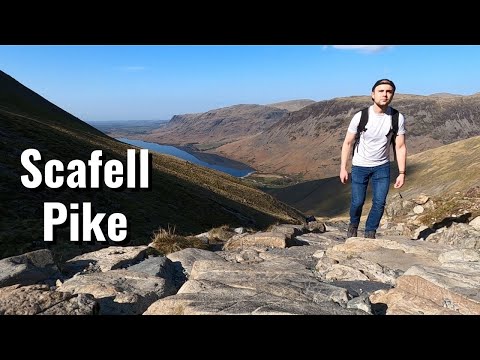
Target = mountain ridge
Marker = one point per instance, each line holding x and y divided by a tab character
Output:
306	143
292	105
217	126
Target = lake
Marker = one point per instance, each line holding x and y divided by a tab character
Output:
216	162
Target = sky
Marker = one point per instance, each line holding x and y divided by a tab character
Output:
137	82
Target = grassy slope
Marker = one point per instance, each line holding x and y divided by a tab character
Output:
443	170
188	197
449	168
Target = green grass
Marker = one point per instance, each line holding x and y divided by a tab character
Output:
265	182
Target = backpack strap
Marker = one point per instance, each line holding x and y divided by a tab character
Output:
361	128
394	130
395	121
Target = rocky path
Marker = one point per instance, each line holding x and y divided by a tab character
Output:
291	269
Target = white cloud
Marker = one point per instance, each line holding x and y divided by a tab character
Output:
132	68
363	48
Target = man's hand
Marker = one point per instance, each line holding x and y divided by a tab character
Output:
343	176
400	181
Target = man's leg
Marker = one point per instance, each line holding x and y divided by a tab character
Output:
360	178
380	185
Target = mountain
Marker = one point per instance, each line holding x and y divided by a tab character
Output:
124	128
292	105
307	143
443	94
444	170
183	196
216	127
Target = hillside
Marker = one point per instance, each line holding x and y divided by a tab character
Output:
188	198
292	105
307	143
440	171
125	128
216	127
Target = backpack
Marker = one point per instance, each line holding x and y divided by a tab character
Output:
363	122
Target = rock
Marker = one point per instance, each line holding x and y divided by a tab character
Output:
28	268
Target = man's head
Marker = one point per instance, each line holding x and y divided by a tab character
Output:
382	92
384	81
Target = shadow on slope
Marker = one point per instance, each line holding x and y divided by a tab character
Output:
329	197
191	198
440	171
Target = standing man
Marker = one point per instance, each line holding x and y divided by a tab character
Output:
371	156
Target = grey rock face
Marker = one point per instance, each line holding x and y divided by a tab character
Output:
110	258
40	300
120	292
26	269
160	266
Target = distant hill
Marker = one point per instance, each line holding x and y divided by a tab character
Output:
443	95
216	127
292	105
118	129
445	169
307	143
184	197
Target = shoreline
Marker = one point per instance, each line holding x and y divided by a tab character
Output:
208	158
215	159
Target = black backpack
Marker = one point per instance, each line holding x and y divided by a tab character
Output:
363	122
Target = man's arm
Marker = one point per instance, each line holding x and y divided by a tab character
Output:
401	150
346	151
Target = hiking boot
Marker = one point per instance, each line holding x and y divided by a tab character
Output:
370	234
352	231
310	219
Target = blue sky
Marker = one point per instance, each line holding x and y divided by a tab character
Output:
103	82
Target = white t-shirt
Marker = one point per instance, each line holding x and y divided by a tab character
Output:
374	146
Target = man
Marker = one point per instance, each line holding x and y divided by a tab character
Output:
371	158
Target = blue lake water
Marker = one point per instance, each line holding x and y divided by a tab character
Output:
238	171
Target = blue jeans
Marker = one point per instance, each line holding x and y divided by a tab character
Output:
380	176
